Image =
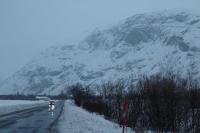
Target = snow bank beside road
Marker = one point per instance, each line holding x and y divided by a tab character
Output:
9	106
78	120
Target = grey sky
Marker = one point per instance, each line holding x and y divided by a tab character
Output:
29	26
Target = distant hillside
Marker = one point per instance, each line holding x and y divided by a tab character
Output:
141	44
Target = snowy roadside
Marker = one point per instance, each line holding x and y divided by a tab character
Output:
77	120
9	106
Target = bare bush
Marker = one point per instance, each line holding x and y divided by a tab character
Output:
160	103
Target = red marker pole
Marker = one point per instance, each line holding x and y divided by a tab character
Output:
125	104
124	115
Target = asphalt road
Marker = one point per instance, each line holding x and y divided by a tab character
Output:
36	120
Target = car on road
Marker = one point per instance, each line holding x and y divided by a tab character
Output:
51	105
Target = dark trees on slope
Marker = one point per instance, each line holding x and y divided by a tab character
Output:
161	103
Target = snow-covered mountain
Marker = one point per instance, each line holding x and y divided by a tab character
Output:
142	44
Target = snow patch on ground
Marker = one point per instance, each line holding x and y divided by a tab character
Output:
77	120
9	106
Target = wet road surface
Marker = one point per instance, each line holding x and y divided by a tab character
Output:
36	120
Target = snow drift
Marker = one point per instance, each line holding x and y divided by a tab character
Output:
10	106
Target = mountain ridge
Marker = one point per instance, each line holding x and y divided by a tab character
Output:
142	44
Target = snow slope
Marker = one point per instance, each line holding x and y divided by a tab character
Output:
78	120
142	44
9	106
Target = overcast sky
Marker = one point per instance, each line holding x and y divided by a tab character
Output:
29	26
